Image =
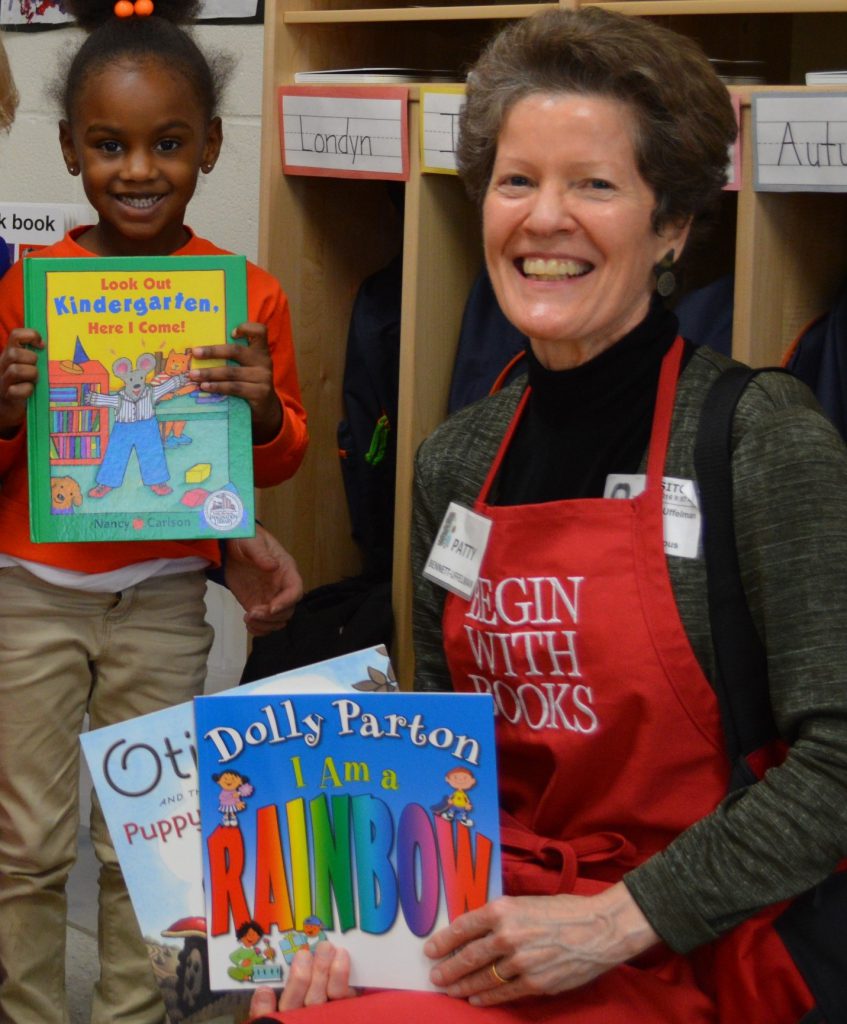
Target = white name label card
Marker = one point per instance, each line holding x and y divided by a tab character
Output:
800	141
440	107
344	132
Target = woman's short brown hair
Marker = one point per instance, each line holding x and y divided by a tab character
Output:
8	92
684	121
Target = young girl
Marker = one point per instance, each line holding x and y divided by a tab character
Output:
114	629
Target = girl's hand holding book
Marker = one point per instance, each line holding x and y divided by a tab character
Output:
248	374
18	373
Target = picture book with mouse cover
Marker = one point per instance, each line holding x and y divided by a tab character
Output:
368	819
144	772
122	444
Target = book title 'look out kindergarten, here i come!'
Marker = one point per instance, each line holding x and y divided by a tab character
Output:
122	444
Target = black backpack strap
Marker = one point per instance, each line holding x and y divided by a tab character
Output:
741	684
812	928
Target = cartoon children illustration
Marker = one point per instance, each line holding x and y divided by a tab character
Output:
457	806
234	787
313	926
311	934
250	963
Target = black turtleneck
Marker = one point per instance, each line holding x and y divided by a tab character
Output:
581	424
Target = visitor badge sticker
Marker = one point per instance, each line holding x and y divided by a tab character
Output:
680	509
457	553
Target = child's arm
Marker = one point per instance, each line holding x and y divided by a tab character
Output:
266	364
18	374
264	579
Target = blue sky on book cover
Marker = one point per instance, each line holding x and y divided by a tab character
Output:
145	775
369	819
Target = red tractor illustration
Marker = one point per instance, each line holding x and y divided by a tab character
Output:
192	974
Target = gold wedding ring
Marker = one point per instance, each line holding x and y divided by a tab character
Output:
497	976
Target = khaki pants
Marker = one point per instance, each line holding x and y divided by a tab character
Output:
62	653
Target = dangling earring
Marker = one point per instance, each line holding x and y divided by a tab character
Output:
665	277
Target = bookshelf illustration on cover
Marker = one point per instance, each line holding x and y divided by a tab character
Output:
368	819
122	444
144	772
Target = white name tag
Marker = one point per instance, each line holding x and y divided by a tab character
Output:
680	509
456	555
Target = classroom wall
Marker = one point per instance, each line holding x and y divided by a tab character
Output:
225	207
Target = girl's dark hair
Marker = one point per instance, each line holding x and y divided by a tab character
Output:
684	122
157	37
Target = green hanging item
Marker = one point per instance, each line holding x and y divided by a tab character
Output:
379	442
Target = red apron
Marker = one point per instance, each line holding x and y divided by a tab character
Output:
609	735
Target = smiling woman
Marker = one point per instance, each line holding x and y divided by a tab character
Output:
568	226
595	144
639	891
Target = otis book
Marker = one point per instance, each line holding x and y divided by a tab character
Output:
122	445
369	819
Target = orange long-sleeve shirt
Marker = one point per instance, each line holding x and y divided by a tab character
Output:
273	462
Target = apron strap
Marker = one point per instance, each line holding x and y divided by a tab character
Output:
663	414
536	865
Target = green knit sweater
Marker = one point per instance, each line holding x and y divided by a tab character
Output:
787	832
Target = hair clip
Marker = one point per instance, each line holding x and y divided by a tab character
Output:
141	8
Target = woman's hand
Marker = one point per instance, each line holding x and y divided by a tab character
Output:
537	945
18	374
249	375
264	579
312	979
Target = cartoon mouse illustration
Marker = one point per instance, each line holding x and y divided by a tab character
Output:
135	427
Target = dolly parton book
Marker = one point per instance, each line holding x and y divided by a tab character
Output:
368	819
145	774
122	445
